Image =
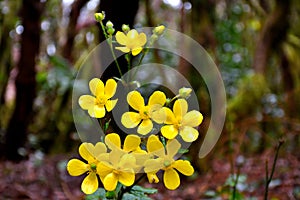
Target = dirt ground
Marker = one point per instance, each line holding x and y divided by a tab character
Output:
43	177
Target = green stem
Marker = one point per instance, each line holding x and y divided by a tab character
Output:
127	189
235	183
109	41
114	56
141	59
269	179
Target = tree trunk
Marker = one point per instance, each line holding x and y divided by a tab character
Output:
25	80
71	31
273	33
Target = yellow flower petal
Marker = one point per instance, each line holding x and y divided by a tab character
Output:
104	168
169	131
130	119
184	167
126	178
90	183
180	108
121	38
172	148
189	134
100	148
157	97
141	39
131	143
169	116
171	179
97	111
153	165
155	146
132	35
136	51
158	114
152	177
113	141
192	118
110	182
110	104
135	100
96	87
115	157
76	167
123	49
86	151
86	101
127	162
145	127
110	88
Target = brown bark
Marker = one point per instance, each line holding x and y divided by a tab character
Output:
288	86
273	33
71	30
25	80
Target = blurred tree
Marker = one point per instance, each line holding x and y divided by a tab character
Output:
71	30
25	82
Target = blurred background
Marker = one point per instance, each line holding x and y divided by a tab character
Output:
255	44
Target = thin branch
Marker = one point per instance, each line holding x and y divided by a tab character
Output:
269	178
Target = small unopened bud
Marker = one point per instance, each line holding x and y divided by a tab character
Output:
168	101
185	92
125	28
99	16
110	30
109	24
159	30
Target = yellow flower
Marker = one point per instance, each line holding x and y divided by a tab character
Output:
182	122
185	92
159	29
133	41
166	162
76	167
131	145
145	112
119	168
95	105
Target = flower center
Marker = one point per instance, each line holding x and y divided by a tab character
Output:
93	167
117	172
177	126
101	100
167	163
144	112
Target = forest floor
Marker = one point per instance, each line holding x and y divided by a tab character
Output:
46	178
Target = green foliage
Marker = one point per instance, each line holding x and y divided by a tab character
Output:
233	51
248	98
135	193
226	191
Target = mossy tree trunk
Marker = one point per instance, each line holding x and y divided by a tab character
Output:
25	82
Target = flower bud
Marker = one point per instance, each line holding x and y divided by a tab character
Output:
125	28
99	16
109	24
110	30
168	101
185	92
159	30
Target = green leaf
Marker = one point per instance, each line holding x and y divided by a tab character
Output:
138	188
98	195
183	151
128	196
110	194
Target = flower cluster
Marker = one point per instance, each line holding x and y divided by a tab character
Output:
113	161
